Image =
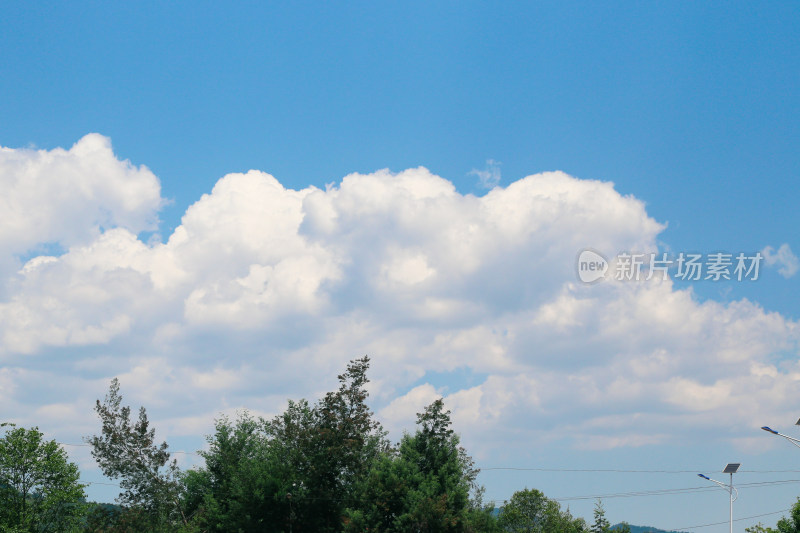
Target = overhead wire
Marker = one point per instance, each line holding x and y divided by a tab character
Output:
728	521
628	471
661	492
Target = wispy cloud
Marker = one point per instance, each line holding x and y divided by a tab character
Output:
788	262
489	177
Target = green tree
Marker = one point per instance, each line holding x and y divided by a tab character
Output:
127	451
328	467
240	487
39	488
329	449
529	511
622	527
298	471
427	484
600	525
347	428
441	500
382	500
105	518
759	528
790	524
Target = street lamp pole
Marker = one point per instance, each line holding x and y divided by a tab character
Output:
731	469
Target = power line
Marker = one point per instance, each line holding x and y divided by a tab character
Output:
100	483
663	492
628	471
735	520
601	470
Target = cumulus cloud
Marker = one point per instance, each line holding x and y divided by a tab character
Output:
784	258
263	293
67	197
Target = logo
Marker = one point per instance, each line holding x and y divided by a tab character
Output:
591	266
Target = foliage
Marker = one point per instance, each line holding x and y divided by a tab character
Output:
326	451
331	448
622	527
239	489
127	451
103	518
425	485
759	528
600	525
39	488
322	467
530	511
298	471
792	523
784	525
446	473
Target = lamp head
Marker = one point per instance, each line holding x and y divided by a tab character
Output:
704	477
767	428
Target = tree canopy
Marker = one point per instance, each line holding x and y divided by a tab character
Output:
39	487
325	466
127	451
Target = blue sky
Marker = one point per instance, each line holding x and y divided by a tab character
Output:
690	109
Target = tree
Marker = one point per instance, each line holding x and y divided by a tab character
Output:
39	488
127	451
298	471
526	512
784	525
601	525
529	511
759	528
240	487
105	518
425	485
327	467
329	449
791	524
347	426
441	500
622	527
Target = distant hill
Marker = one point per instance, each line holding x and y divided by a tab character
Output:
644	529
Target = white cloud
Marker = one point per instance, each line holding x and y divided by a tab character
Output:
263	293
788	262
401	412
67	196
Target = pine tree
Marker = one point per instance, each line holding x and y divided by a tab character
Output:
601	525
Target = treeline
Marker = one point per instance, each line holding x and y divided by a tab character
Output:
322	467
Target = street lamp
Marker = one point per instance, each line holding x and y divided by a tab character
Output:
731	469
793	440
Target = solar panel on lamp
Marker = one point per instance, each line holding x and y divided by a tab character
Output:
731	468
